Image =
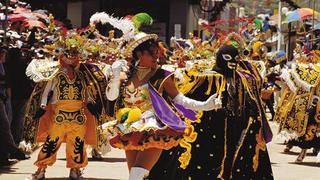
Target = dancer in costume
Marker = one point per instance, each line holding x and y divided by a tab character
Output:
297	112
102	51
311	137
276	63
150	109
65	107
231	142
252	30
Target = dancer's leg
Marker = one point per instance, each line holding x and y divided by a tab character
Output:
144	162
147	158
131	157
301	156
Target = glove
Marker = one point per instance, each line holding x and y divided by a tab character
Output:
40	112
212	103
112	91
117	66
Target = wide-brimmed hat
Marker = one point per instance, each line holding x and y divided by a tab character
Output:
138	39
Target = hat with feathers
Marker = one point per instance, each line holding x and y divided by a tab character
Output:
139	20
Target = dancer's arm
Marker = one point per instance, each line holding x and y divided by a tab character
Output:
45	94
113	88
213	102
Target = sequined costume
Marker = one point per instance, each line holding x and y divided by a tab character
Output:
297	117
67	118
148	119
154	115
231	143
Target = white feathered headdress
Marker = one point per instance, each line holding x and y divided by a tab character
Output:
125	25
42	69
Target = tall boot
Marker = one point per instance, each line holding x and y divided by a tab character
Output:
318	157
288	148
75	174
301	156
138	173
38	175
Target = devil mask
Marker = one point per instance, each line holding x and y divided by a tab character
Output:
226	60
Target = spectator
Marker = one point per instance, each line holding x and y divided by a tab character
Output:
21	88
6	139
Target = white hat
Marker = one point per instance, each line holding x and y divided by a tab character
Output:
138	39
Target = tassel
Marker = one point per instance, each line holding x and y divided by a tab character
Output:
210	79
318	157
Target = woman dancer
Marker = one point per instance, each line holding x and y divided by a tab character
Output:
149	115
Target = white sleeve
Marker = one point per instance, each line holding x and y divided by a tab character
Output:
212	103
45	94
112	91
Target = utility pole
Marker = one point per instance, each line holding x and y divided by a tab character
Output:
314	11
279	26
6	24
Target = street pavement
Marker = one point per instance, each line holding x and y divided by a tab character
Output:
283	164
113	166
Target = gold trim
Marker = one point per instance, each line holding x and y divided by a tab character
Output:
97	121
261	145
164	79
189	137
70	82
241	143
29	115
220	176
259	118
97	84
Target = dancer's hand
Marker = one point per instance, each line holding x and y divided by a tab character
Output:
215	101
117	66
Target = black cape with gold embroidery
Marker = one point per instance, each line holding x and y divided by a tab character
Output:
230	142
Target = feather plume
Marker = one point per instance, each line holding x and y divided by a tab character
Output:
42	70
141	19
124	25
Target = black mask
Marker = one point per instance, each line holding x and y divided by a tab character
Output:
226	60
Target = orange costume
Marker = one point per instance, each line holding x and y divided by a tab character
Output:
66	115
66	120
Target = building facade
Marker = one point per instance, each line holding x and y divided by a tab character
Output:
171	17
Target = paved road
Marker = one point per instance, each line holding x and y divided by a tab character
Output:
283	165
113	166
